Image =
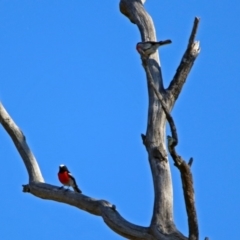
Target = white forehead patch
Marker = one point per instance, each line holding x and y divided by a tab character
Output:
62	165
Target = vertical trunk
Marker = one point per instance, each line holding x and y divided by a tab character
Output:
162	218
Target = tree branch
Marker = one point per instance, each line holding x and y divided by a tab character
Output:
162	219
190	55
184	168
97	207
164	106
135	12
38	188
20	142
188	190
162	226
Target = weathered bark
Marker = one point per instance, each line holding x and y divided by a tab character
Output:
184	168
162	219
161	101
191	53
19	140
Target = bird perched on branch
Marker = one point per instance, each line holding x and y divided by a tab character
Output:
148	48
67	179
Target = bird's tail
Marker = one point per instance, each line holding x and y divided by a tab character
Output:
164	42
76	189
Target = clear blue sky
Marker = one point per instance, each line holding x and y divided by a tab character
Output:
73	82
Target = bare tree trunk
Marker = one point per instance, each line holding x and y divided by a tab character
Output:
161	101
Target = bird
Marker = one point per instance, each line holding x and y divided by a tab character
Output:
150	47
67	179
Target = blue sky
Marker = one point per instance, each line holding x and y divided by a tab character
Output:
73	82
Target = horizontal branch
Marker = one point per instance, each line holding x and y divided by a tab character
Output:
97	207
190	55
38	188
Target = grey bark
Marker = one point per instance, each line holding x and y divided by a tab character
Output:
161	101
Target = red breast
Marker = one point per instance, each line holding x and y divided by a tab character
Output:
64	177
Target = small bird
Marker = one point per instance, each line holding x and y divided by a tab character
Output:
67	179
148	48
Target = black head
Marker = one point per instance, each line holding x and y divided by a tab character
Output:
63	168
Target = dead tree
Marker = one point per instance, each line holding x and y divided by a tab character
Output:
161	102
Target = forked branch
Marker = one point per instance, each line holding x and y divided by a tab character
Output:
184	168
190	55
161	101
160	98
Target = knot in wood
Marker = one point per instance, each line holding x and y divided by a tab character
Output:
157	154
